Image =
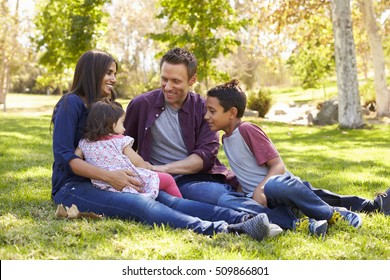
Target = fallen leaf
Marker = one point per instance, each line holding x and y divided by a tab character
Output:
61	212
91	215
73	212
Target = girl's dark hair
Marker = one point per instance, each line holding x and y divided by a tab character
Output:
181	56
230	95
101	119
89	73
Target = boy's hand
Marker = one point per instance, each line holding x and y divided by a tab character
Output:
259	196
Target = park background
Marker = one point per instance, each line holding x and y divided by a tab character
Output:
283	52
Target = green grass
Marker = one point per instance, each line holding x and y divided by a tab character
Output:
345	161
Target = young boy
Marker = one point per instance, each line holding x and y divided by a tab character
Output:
256	162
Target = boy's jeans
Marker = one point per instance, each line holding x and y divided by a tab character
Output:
284	193
223	195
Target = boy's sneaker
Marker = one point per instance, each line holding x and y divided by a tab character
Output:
352	218
318	228
257	227
383	201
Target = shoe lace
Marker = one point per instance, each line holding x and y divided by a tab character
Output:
381	194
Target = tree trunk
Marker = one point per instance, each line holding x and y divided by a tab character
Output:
8	45
3	58
3	84
350	114
378	59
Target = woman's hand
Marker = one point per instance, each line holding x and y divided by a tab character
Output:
123	178
117	179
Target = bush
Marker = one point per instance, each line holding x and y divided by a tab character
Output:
260	102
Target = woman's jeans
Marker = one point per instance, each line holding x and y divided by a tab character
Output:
166	209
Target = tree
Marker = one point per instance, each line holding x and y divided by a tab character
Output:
66	29
8	46
205	27
131	23
350	115
4	59
258	61
307	24
378	58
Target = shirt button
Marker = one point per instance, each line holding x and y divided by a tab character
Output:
156	115
163	108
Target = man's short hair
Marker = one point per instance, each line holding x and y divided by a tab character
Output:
181	56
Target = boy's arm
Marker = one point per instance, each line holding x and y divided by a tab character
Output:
276	167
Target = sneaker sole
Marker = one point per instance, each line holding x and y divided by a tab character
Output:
274	230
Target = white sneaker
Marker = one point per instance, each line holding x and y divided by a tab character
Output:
274	230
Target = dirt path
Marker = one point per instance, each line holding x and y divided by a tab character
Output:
291	113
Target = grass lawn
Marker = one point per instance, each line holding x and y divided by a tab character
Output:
344	161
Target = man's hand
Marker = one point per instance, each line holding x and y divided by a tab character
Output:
190	165
159	168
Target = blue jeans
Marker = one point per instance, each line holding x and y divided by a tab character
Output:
315	203
287	190
352	202
166	209
223	195
290	191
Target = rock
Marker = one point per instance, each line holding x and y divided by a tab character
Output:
251	113
328	114
292	104
280	112
310	119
